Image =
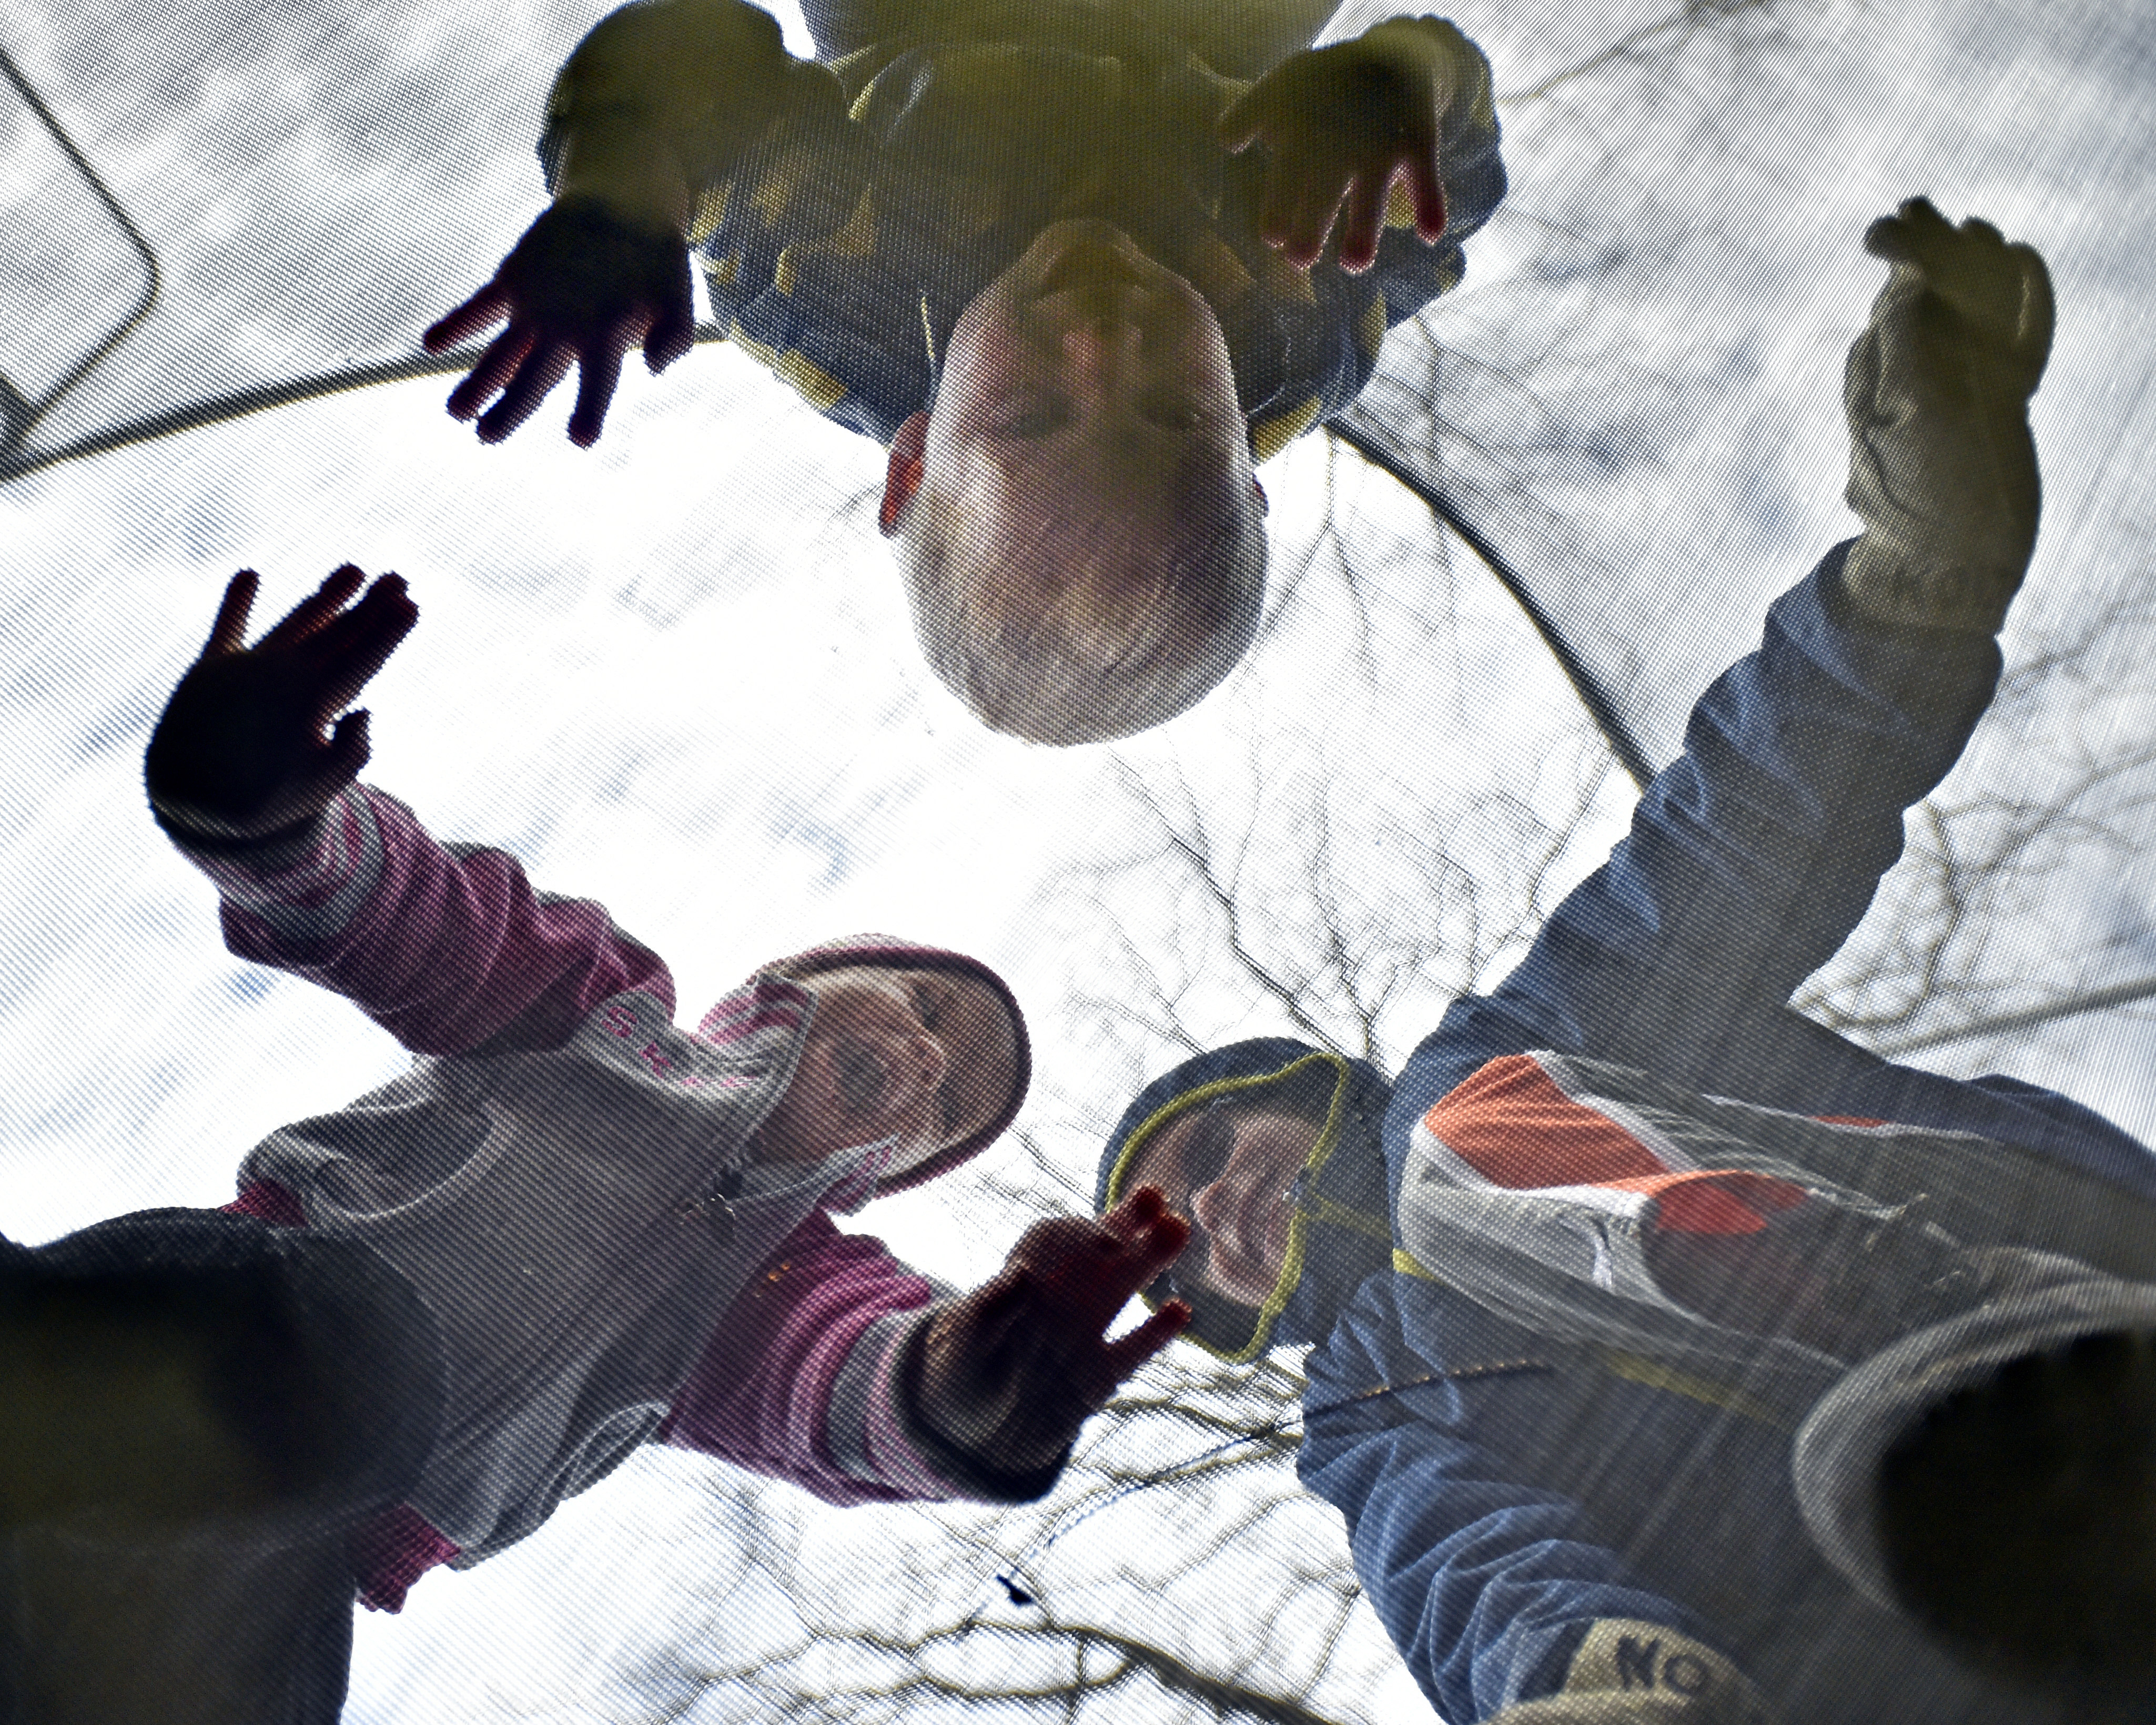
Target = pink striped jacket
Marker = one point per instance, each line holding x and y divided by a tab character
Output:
567	1179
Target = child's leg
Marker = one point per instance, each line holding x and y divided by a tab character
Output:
175	1372
839	27
2018	1518
193	1408
101	1634
1994	1477
1237	39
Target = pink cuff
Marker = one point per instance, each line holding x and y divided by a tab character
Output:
267	1201
887	1432
310	890
392	1551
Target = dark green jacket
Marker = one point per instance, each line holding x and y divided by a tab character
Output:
840	245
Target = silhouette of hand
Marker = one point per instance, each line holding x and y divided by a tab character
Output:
245	749
581	288
1010	1372
1342	123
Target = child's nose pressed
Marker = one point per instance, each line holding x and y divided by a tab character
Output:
860	1074
1100	351
888	1076
1210	1204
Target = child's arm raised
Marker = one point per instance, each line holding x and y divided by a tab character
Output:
837	1370
1753	855
339	884
241	755
1344	122
651	112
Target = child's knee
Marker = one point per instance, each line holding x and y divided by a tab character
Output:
205	1375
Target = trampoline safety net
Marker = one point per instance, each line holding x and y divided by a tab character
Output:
1639	1020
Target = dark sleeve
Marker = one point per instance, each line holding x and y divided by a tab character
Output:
1755	854
703	79
1485	1585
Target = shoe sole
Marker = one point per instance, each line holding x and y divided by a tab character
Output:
2017	1518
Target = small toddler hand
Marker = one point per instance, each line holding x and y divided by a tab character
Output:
580	288
241	752
1010	1372
1342	124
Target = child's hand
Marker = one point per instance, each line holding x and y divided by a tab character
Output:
1009	1372
1994	298
1342	123
240	754
580	288
1942	469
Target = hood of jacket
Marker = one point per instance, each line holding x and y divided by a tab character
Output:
889	952
1340	1233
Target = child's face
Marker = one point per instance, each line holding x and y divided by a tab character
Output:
1230	1173
926	1056
1087	385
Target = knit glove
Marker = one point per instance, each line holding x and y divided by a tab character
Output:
1008	1373
1632	1673
1942	470
250	747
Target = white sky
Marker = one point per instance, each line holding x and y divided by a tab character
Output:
675	673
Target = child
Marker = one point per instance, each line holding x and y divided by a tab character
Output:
1627	1223
1014	244
570	1229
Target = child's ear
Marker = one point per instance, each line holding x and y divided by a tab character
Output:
902	478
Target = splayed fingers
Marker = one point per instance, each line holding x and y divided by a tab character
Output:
1011	1371
1097	1266
581	288
245	747
487	307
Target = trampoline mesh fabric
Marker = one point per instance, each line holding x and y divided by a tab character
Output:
1628	421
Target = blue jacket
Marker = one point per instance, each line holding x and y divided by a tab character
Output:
1517	1493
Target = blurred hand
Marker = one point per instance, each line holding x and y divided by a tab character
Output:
581	288
1342	123
1010	1372
1943	470
245	749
